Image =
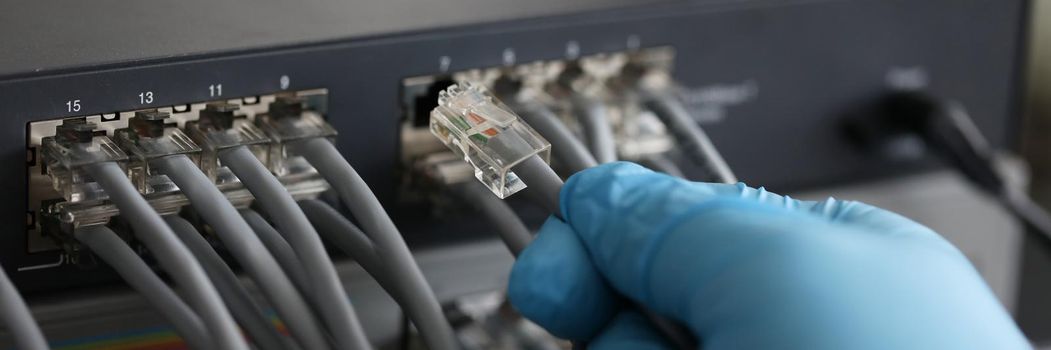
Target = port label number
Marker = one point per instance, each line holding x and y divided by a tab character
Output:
509	56
634	42
73	106
215	90
444	62
572	50
146	97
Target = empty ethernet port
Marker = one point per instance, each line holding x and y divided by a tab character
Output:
421	96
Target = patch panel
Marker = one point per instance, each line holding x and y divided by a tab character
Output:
52	215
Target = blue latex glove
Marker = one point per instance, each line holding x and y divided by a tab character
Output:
747	269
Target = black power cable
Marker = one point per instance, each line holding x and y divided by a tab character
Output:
946	128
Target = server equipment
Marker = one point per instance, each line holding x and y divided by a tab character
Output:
772	83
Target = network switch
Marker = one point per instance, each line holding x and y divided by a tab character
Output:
769	81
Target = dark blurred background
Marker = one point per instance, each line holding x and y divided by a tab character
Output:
1035	285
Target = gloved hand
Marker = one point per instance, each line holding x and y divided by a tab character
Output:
743	268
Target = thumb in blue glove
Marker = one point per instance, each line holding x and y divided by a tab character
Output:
747	269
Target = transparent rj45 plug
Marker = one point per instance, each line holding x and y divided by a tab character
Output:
288	120
149	137
220	128
75	146
487	134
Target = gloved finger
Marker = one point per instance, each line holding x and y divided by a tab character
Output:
622	197
681	192
629	331
848	212
740	273
624	213
554	284
676	194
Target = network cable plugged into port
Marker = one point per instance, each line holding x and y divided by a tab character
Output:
182	186
502	126
59	198
257	180
593	109
575	114
183	183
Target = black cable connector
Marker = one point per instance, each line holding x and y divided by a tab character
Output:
945	129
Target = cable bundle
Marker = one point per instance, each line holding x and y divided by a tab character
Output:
152	170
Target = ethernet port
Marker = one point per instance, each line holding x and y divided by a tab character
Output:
52	213
426	102
419	97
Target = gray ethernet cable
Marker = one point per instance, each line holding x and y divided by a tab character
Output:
505	222
245	310
661	163
130	266
423	309
566	147
449	171
694	140
352	241
598	132
657	92
172	255
16	316
166	154
467	111
278	204
302	134
586	85
356	244
584	90
75	152
88	167
279	247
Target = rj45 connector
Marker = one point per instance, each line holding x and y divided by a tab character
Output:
148	137
220	128
487	134
75	146
288	121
